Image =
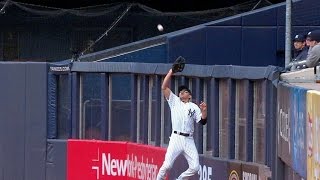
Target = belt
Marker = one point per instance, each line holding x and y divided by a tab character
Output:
182	134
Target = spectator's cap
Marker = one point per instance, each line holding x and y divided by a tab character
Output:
299	38
308	33
308	36
314	35
185	88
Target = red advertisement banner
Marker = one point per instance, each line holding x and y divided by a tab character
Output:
147	159
101	160
105	160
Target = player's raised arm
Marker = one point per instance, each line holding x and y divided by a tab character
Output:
177	66
166	84
203	108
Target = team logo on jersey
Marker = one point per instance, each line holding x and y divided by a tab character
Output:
234	175
191	113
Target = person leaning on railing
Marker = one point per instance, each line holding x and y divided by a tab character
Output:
313	55
300	51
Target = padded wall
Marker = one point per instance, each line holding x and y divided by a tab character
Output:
23	120
248	40
190	44
56	163
12	117
36	120
259	46
223	45
52	106
246	46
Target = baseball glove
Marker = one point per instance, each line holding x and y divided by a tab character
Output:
178	64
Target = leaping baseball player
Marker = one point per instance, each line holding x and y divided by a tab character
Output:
183	115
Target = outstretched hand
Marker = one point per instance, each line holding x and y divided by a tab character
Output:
203	106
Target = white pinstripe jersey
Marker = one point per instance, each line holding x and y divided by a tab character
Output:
183	115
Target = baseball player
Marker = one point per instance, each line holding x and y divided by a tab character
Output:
183	115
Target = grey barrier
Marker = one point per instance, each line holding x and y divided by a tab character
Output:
23	115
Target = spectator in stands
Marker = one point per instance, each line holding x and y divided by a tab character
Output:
308	40
313	57
300	51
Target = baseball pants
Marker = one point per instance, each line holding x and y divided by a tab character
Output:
180	144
